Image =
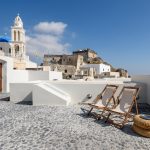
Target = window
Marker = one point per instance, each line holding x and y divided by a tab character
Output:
65	70
16	48
18	36
0	48
14	35
85	72
9	50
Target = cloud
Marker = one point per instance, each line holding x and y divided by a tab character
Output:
46	40
55	28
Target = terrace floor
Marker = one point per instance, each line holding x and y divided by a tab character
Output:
27	127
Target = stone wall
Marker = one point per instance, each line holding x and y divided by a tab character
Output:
67	70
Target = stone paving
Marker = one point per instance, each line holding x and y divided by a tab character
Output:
27	127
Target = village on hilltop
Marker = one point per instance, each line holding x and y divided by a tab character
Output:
82	63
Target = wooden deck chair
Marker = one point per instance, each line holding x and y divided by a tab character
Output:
104	98
126	100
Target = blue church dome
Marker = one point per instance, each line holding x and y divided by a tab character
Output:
5	39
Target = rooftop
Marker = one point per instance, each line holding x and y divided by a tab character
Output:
5	39
84	50
60	127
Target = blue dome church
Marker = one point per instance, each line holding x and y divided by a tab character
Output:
15	47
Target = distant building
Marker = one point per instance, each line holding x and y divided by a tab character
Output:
68	64
76	64
82	63
87	54
122	72
94	69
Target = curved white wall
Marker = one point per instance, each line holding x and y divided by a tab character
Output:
144	80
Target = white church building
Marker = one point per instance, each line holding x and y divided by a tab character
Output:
14	63
15	46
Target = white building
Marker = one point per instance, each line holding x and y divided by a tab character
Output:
94	69
15	47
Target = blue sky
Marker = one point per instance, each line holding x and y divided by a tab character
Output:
118	30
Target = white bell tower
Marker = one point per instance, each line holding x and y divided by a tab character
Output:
18	38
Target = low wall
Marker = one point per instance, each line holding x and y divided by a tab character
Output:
19	76
38	75
77	90
46	94
80	89
55	75
20	92
144	80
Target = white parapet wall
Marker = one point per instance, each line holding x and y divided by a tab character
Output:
80	89
47	94
53	75
38	75
19	76
33	75
25	76
21	92
65	92
143	80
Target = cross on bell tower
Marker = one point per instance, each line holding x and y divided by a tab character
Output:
18	38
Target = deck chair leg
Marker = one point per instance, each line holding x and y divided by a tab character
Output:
137	112
107	117
90	111
99	116
125	120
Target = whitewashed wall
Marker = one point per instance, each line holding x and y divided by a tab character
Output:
38	75
115	74
77	90
7	70
21	91
104	68
29	75
55	75
46	94
100	68
19	76
144	80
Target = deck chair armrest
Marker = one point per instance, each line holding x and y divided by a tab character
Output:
114	100
117	100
